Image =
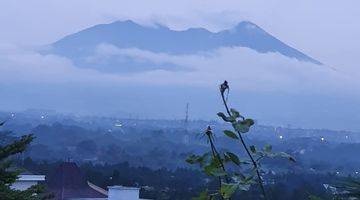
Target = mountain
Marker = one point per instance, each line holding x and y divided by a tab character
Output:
83	47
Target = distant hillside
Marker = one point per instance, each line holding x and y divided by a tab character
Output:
82	47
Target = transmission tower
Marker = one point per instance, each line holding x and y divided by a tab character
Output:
186	137
187	113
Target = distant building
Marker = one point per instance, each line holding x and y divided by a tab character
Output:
25	181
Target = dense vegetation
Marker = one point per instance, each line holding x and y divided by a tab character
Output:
134	145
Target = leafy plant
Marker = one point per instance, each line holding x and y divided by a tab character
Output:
8	177
214	163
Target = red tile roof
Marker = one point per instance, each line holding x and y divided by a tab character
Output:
69	182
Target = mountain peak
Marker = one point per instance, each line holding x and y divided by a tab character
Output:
246	25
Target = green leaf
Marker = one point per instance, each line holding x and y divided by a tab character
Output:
192	159
225	118
203	196
253	149
234	113
240	127
212	170
204	158
248	122
218	172
228	189
208	169
234	158
231	134
243	126
267	148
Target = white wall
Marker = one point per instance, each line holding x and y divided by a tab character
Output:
24	182
123	193
23	185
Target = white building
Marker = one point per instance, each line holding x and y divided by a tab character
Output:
115	193
123	193
24	182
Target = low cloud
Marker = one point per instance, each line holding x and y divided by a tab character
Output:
244	68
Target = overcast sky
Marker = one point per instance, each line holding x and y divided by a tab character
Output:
326	30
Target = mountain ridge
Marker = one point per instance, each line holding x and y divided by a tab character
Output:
161	39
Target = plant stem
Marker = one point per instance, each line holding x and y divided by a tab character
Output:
255	165
216	154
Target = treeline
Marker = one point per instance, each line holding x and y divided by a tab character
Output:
169	148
